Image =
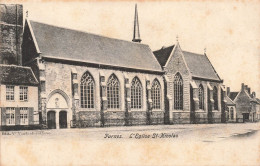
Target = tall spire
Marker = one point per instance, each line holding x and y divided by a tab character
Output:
136	36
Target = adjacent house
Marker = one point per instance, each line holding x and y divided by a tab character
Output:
18	97
246	103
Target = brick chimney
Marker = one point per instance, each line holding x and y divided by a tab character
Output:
228	91
249	90
246	88
242	86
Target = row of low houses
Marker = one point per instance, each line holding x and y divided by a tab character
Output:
66	78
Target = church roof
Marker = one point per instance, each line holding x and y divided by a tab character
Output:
62	43
198	64
17	75
233	95
163	54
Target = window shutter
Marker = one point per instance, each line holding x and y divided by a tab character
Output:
3	116
30	115
17	116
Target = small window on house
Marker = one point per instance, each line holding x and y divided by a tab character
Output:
136	94
156	94
10	116
23	93
23	116
201	97
10	93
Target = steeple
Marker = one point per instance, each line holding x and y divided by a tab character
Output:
136	36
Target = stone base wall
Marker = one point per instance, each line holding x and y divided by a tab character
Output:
138	117
201	117
216	116
157	117
88	119
116	118
180	118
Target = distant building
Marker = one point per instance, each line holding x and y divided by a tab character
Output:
246	103
11	30
18	97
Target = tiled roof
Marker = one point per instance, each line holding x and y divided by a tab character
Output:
200	66
71	44
163	54
17	75
233	95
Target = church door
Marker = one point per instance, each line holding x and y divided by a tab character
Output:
63	119
51	119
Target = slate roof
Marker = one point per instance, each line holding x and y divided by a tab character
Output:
198	64
233	95
229	101
17	75
163	54
70	44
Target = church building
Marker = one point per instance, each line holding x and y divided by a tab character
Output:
91	80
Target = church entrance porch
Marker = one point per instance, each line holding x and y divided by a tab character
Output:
59	114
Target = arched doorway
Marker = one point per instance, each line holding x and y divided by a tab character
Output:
51	119
63	119
58	109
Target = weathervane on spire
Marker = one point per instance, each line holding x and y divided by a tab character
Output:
205	50
177	38
27	13
136	36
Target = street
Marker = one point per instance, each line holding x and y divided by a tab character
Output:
227	143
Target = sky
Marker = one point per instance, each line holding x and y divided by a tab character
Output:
229	30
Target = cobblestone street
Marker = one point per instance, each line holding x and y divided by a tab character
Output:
80	146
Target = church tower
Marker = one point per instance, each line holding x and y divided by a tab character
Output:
136	35
11	29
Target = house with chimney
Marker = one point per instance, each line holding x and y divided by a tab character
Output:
246	104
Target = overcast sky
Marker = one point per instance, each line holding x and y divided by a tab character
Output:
230	30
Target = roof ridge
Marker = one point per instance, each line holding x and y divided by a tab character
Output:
164	47
88	33
193	52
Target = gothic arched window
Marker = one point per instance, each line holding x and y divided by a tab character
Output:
136	93
113	92
178	92
156	94
87	91
201	97
215	98
232	113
